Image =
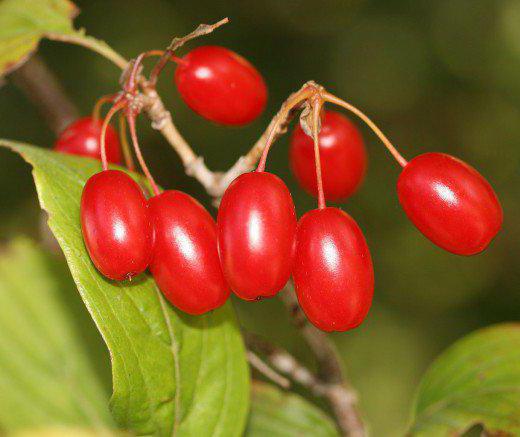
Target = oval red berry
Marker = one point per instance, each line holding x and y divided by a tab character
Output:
185	263
221	86
116	225
450	203
256	230
333	273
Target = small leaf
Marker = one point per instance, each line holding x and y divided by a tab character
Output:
476	381
275	413
45	376
172	373
24	22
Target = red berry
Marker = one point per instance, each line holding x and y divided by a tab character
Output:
342	152
333	273
450	203
256	229
116	225
221	86
82	137
185	264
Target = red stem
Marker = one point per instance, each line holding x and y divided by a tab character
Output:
130	118
316	109
100	102
131	84
129	161
178	61
293	101
388	144
268	143
116	107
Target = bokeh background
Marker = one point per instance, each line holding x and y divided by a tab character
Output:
438	75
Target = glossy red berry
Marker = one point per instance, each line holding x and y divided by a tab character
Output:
333	273
256	230
450	203
82	137
221	86
185	263
116	225
342	152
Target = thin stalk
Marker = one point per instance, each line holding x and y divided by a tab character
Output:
131	84
130	118
316	110
129	161
107	119
391	148
96	111
292	102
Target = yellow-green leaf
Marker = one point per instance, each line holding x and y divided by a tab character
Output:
24	22
475	381
46	378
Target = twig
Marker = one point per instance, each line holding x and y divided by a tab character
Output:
340	395
216	183
41	87
265	370
283	362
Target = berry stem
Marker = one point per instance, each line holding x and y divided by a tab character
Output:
155	52
129	161
178	61
316	111
280	118
133	76
131	83
96	111
336	100
130	118
112	111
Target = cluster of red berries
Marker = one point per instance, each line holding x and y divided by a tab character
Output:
257	243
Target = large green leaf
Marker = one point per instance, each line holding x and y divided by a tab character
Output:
275	413
476	381
45	376
24	22
172	373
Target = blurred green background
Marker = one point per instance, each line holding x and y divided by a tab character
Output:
435	75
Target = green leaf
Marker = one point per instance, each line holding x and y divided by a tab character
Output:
475	381
45	376
24	22
276	413
172	373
